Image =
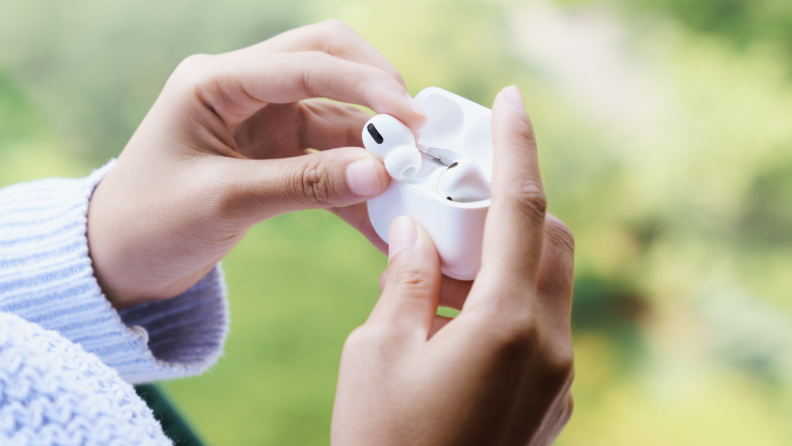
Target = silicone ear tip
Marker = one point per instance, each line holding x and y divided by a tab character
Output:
403	162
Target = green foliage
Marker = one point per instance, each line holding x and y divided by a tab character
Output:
767	217
742	22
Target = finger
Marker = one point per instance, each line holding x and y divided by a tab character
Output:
235	86
515	222
453	292
327	125
557	273
283	130
383	280
357	216
556	276
333	37
408	303
254	190
439	322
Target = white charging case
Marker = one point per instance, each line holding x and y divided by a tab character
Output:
457	128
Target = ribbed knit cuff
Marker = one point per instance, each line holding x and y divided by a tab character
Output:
46	277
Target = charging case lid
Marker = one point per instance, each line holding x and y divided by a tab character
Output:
457	128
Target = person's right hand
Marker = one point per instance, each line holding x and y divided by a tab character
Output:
500	372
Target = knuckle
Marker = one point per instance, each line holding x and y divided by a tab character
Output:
528	198
524	135
359	342
313	183
570	408
192	67
314	62
561	364
518	335
368	338
194	75
194	60
334	37
359	338
336	26
559	232
409	276
523	333
373	82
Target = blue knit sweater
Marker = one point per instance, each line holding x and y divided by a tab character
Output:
67	357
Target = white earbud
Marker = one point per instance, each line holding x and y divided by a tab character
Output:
392	142
463	181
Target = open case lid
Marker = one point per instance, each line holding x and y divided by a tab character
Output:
457	128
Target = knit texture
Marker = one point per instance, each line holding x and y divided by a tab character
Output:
46	277
52	392
65	352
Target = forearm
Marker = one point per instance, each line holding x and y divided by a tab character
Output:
46	277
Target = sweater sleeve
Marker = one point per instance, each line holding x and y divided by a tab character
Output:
46	277
52	392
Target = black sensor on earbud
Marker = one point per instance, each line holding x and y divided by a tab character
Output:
374	133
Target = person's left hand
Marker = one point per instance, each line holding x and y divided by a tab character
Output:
219	152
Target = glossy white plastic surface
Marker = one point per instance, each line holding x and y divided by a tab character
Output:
457	128
395	146
463	181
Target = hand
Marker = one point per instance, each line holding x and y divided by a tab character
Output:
220	151
500	372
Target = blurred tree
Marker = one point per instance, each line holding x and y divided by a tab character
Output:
614	309
767	215
742	21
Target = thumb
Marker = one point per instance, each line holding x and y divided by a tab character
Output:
333	178
412	288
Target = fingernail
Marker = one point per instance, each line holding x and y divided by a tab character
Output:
415	106
362	178
402	235
514	97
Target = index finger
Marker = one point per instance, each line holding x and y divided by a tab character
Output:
514	230
236	86
333	37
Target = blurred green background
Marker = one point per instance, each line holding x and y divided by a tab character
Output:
665	132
